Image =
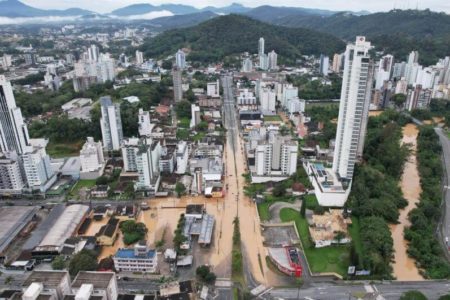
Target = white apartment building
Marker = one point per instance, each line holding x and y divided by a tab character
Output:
247	65
11	180
324	64
213	89
38	170
111	124
91	156
336	67
267	100
147	163
139	57
195	115
295	105
182	157
261	46
180	59
246	98
139	259
289	92
14	132
144	125
384	70
177	84
129	154
354	108
273	60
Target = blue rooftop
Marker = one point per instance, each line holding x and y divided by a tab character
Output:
129	253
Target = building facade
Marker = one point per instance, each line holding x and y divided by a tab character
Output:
111	124
353	108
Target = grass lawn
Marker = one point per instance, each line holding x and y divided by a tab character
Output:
87	183
263	211
327	259
184	123
275	118
64	149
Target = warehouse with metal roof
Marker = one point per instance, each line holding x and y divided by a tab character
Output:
66	225
13	219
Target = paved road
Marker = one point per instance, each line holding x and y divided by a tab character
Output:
388	291
445	221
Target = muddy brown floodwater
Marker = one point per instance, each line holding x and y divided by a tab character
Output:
404	267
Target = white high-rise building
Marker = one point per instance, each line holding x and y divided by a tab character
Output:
261	46
182	157
273	60
38	170
177	85
144	125
11	179
336	63
147	162
213	89
247	65
105	68
324	64
13	131
267	100
263	62
6	61
93	53
384	70
195	115
180	58
139	57
353	108
289	92
111	124
277	156
91	156
129	154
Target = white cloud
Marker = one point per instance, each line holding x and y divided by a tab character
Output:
35	20
148	16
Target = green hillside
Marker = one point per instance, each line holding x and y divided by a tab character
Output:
215	39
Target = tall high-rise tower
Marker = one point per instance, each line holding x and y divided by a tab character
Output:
177	84
111	124
261	46
353	108
180	58
13	131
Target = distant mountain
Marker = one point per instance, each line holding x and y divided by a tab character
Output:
267	13
396	31
182	21
215	39
15	9
234	8
346	25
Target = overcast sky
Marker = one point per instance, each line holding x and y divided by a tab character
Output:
104	6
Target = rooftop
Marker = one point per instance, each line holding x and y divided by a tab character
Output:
48	278
100	280
130	253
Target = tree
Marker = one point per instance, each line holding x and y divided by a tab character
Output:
398	100
413	295
180	189
204	274
85	260
132	231
129	191
167	64
58	263
190	96
339	236
279	190
183	109
303	208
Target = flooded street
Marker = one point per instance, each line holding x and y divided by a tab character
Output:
404	267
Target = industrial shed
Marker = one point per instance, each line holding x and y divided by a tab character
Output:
66	225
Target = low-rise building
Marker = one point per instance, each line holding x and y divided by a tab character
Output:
108	233
139	259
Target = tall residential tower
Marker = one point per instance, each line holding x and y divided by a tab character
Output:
353	108
111	124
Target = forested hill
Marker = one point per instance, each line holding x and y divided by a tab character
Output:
215	39
397	32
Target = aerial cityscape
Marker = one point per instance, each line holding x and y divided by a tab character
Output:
224	150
